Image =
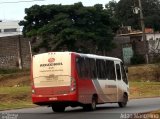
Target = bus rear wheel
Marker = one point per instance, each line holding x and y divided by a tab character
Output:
124	102
92	106
58	108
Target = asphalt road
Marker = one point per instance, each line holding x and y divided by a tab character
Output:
104	111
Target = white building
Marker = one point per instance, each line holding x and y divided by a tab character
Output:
153	42
10	28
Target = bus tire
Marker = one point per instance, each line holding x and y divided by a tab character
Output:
92	106
124	102
58	108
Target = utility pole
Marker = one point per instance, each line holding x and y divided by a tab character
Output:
143	31
30	49
19	53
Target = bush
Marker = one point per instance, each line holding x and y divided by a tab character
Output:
156	71
156	68
10	71
156	58
137	59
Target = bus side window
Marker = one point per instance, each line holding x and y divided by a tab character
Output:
101	69
80	67
87	68
110	70
118	71
93	71
124	77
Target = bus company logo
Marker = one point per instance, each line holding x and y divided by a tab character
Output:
51	60
51	64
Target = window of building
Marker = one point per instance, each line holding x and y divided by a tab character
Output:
157	39
110	70
10	30
118	71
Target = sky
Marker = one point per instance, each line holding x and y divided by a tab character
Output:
15	10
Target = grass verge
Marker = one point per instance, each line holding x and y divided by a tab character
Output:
20	97
144	89
11	71
15	97
15	105
147	115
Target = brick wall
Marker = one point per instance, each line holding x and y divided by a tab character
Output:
138	45
135	42
119	42
9	52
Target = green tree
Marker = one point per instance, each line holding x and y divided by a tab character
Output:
151	10
124	12
111	8
76	27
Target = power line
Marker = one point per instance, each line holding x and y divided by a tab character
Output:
20	1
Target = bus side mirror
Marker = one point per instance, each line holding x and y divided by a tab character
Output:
126	69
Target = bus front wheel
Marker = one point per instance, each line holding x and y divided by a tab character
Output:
124	101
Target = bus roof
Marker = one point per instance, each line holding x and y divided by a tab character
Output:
99	56
86	55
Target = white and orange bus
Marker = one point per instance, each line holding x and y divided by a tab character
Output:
61	79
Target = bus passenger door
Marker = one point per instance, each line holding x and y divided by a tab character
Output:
119	81
111	91
110	83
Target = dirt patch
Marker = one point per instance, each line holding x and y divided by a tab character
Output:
144	89
142	73
15	80
22	97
